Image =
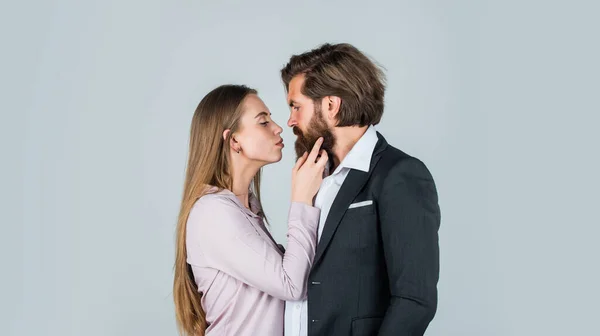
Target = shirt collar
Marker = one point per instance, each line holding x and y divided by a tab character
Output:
359	157
255	206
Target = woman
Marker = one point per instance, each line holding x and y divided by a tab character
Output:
230	276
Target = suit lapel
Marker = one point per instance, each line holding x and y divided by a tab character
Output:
352	185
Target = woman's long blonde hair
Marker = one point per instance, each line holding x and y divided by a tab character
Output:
208	165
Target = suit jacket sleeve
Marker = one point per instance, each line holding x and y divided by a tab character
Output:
410	219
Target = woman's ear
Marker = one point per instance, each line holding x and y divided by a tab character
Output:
233	144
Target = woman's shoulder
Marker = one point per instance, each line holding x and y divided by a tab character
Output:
216	197
216	209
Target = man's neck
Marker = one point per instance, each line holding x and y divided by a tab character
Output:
345	139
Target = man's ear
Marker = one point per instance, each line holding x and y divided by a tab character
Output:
331	106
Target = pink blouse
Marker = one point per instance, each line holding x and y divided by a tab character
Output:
242	272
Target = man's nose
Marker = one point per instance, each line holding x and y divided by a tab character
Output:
292	121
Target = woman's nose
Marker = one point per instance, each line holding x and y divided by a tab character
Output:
278	129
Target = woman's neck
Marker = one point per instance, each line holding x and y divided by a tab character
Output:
242	174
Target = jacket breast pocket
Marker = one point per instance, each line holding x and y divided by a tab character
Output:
361	207
369	209
358	229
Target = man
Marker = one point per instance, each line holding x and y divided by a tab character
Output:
376	266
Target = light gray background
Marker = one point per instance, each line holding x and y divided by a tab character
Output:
499	99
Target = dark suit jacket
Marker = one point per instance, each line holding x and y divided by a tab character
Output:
376	267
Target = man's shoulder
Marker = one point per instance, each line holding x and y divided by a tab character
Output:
394	161
392	156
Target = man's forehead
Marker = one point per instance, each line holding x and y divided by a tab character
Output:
293	97
296	98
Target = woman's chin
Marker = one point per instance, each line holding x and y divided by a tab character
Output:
276	158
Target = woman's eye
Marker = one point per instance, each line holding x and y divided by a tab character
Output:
264	123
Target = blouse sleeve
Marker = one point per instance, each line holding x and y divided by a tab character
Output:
220	231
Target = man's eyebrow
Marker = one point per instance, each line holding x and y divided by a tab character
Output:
263	113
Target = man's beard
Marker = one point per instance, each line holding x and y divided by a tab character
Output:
317	127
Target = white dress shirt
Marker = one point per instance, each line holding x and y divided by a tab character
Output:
359	158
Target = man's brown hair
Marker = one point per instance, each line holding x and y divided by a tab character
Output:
344	71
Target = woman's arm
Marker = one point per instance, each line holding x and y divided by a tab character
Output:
220	231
